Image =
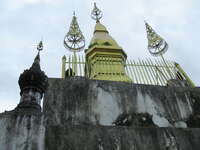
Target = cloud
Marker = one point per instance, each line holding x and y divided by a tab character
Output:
48	2
24	22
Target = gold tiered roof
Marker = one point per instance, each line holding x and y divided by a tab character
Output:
101	38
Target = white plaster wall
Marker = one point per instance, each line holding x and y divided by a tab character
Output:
106	107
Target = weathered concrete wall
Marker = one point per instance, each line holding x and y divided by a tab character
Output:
21	131
75	110
31	132
78	101
121	138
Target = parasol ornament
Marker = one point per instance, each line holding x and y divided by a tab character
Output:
157	46
96	13
74	39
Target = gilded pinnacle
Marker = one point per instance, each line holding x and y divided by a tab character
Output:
96	13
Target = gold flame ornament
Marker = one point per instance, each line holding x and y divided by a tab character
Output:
74	39
96	13
157	46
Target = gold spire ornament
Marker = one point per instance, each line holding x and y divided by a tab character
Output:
74	39
96	13
157	46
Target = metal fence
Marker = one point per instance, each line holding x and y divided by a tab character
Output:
152	72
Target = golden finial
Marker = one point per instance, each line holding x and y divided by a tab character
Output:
96	13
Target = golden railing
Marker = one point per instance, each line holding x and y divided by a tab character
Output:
151	72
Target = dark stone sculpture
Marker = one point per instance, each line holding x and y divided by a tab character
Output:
33	82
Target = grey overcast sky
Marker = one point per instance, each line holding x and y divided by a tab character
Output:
23	23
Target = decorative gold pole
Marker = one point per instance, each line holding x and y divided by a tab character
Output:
168	70
75	42
75	63
63	66
157	46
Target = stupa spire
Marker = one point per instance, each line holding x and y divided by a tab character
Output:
32	82
36	63
101	35
96	13
102	51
